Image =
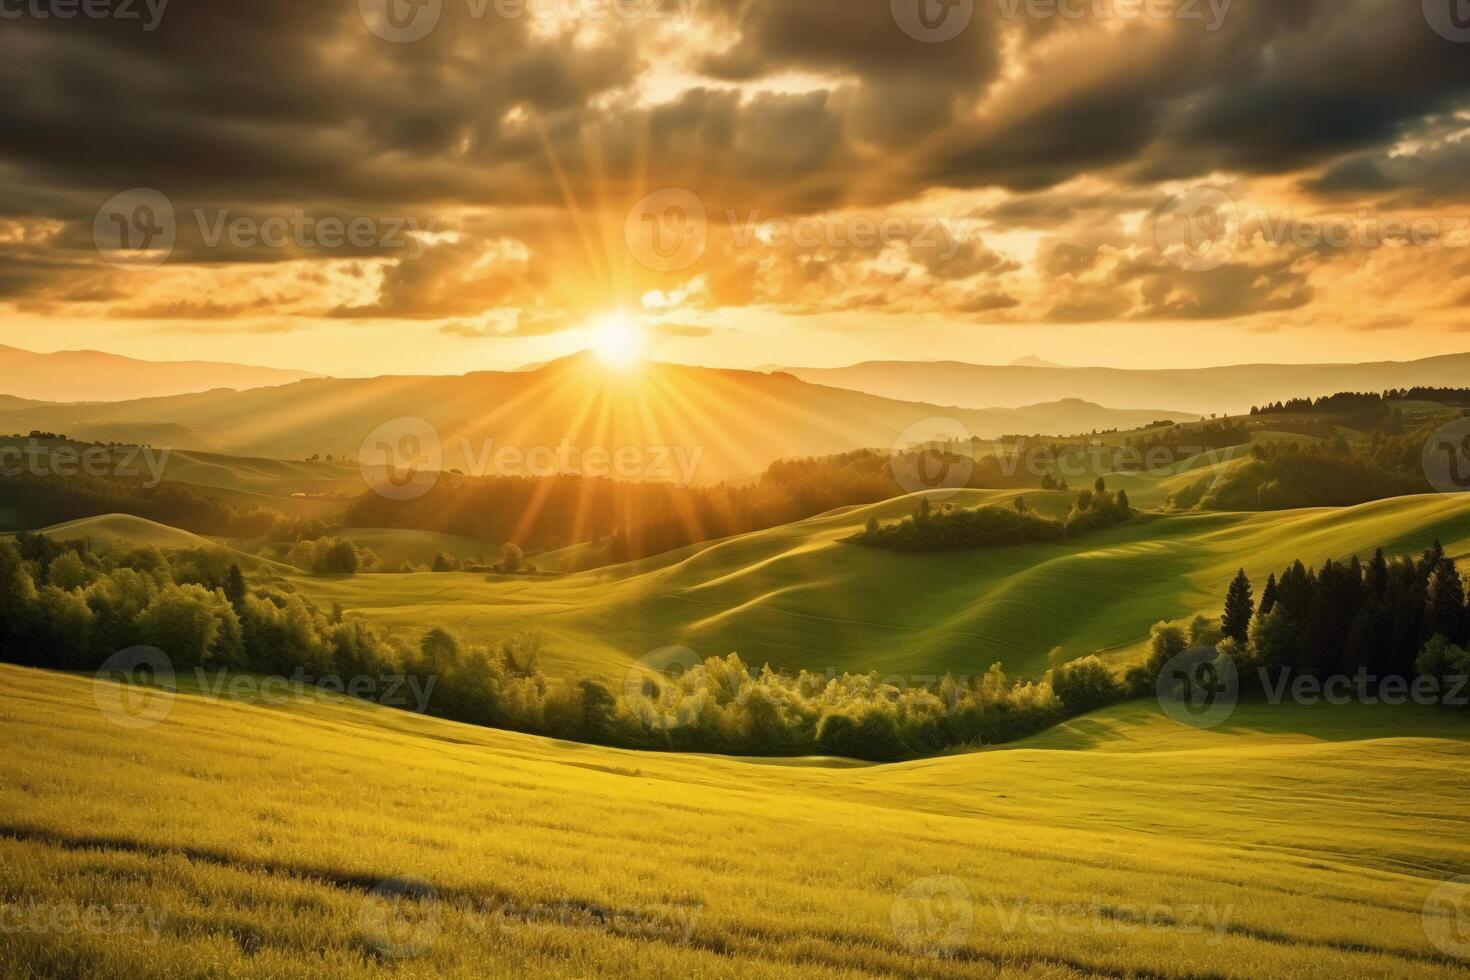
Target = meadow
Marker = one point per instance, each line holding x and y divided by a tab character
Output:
236	838
798	596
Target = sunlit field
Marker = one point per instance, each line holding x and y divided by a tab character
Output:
744	489
798	597
239	839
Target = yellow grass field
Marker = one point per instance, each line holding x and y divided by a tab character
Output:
252	839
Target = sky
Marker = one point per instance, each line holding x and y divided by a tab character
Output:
416	186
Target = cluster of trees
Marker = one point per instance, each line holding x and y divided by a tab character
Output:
1181	442
1098	508
67	606
512	562
951	528
723	706
1285	477
308	544
1346	617
331	556
1333	472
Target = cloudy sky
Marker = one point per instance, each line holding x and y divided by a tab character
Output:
380	186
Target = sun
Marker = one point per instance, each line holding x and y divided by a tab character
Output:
618	341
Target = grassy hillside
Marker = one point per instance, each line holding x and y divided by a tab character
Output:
1277	846
796	596
393	545
799	597
103	531
270	477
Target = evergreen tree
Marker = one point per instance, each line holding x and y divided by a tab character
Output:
1239	607
1375	578
1269	596
1428	564
1444	613
235	590
1101	486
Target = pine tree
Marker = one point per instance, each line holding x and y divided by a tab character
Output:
1445	612
235	588
1429	564
1239	607
1269	596
1375	579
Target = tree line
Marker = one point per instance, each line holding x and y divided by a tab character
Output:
1356	402
67	606
951	528
1378	617
42	501
1333	472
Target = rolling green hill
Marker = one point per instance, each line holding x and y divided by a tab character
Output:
1291	843
103	531
796	596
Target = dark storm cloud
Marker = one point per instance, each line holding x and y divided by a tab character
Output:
279	100
1433	175
1281	86
792	106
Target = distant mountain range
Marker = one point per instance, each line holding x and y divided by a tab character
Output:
89	375
1230	390
737	421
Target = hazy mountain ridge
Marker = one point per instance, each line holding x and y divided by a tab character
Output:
95	376
739	421
1232	389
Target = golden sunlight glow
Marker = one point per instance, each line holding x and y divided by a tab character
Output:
619	340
